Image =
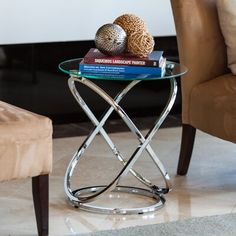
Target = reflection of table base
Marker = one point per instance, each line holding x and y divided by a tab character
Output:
84	196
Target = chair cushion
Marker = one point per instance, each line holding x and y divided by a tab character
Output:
213	107
227	19
25	143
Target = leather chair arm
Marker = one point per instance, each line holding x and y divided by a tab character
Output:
200	43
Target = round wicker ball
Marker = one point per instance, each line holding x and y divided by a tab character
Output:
130	23
140	43
111	39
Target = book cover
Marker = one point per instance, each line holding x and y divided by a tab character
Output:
120	69
94	56
110	76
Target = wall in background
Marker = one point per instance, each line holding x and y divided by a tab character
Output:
27	21
37	35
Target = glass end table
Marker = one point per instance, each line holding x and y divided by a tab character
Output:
83	197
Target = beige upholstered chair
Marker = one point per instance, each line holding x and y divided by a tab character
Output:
26	151
209	88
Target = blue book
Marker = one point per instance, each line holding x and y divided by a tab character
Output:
110	76
120	69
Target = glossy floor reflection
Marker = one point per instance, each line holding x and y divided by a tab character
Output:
209	188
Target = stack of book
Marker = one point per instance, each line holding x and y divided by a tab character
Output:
96	62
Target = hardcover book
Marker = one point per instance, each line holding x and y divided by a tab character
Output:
120	69
94	56
114	76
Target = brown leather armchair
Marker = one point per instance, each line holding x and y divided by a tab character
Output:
208	89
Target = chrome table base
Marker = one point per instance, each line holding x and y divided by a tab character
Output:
159	200
83	197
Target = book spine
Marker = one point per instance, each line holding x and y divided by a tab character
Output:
95	68
121	76
124	62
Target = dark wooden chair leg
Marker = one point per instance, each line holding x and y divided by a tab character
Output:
188	136
40	187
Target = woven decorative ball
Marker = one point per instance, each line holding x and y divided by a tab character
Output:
140	43
130	23
111	39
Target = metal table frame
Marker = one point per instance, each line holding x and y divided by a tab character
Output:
83	197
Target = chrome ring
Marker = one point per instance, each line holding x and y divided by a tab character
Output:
159	200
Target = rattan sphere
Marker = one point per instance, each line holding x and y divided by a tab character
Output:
111	39
140	43
130	23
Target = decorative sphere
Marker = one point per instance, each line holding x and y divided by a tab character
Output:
140	43
111	39
130	23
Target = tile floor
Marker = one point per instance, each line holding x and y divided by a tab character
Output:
208	189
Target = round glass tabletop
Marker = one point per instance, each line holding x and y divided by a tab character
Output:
71	67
